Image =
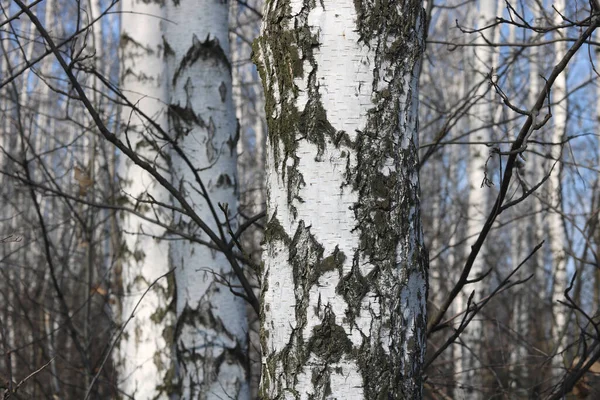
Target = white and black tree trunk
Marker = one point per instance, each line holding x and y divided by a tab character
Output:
144	359
212	329
556	229
344	281
470	378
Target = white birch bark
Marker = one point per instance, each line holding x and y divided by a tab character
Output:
456	256
439	175
211	332
554	198
144	359
470	377
344	282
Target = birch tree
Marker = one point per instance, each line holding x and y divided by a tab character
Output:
144	359
554	199
212	329
245	21
344	280
481	121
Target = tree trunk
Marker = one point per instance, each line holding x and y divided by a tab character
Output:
250	111
211	334
144	359
470	378
554	198
344	281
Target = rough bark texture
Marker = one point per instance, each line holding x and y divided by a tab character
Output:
344	282
211	333
144	357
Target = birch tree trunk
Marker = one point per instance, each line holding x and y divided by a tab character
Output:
470	378
554	198
211	333
344	281
144	357
249	105
7	212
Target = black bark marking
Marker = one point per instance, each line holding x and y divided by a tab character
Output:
210	49
211	150
232	141
223	92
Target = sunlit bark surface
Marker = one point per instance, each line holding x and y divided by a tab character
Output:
212	329
344	277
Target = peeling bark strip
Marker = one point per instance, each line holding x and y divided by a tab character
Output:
344	280
212	328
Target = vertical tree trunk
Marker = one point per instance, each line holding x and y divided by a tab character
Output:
470	378
7	330
53	207
554	198
212	329
144	359
344	282
249	105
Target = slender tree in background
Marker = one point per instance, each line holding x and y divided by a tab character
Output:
481	123
212	329
144	360
556	227
249	105
344	282
244	24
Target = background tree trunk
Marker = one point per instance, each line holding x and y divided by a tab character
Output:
556	229
144	359
470	378
212	329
